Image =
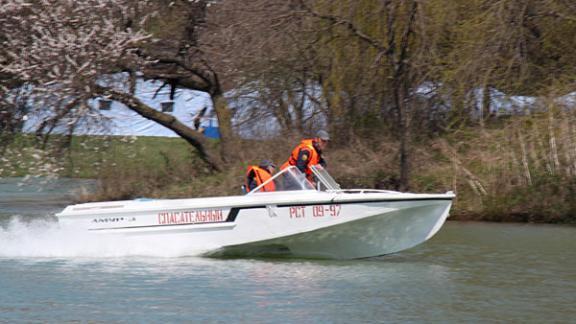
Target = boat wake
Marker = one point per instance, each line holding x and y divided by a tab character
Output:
44	238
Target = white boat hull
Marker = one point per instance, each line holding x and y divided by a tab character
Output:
336	225
396	229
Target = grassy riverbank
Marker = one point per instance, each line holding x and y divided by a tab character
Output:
522	169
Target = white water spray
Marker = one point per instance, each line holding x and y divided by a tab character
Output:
44	238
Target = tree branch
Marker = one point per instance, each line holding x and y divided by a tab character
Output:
350	26
191	136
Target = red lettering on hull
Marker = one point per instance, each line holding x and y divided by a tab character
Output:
316	210
298	212
191	217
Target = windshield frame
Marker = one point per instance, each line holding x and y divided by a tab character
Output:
324	181
324	178
296	177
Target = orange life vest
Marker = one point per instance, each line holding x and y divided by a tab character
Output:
313	158
260	176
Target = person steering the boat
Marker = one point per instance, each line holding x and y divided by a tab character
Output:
308	153
258	174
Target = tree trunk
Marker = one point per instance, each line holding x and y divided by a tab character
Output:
201	78
402	97
486	100
403	124
228	141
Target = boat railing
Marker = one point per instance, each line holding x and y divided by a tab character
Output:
370	191
324	179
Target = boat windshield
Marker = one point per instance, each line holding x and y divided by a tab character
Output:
291	179
288	179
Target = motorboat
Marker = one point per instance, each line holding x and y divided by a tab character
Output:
301	218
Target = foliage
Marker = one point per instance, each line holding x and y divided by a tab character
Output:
522	170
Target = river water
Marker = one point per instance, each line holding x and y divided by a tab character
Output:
469	272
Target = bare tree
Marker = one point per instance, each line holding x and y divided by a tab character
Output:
261	50
393	51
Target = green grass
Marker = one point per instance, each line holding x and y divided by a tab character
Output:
88	156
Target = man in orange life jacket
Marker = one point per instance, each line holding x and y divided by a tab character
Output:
257	175
308	153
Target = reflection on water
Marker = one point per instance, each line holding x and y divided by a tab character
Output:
469	272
